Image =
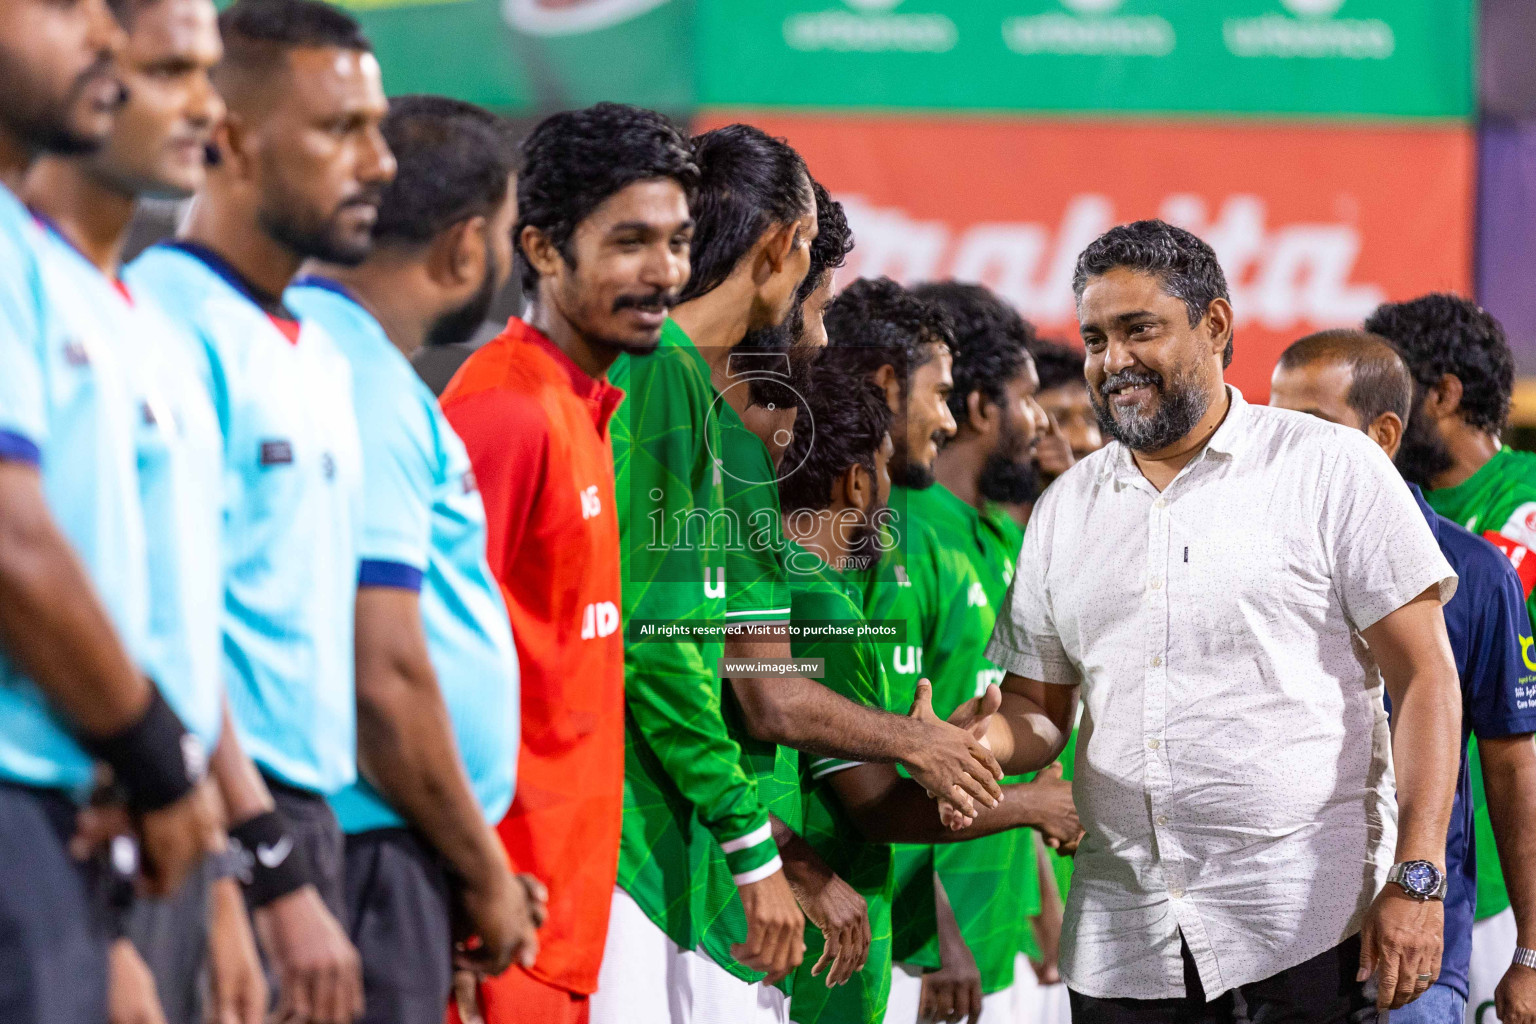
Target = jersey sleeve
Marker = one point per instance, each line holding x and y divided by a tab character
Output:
1500	678
672	694
23	419
1025	640
507	437
394	541
852	670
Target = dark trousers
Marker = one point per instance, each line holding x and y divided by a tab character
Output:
171	934
1321	991
398	917
53	915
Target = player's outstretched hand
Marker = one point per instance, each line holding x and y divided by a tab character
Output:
175	839
1400	943
320	976
952	762
131	994
504	913
775	928
237	987
1056	814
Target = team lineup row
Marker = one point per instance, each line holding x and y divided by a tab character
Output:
329	699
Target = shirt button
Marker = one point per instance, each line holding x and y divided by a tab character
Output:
1157	584
1177	894
1157	660
1159	503
1153	743
1162	819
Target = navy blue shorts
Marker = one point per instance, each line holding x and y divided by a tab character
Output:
53	917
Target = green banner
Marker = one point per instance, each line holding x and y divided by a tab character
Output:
536	55
1394	58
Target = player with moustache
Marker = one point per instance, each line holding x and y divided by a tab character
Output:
300	168
601	247
437	678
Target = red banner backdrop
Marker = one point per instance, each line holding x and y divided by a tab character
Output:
1314	225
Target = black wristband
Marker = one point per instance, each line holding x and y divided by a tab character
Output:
155	760
270	863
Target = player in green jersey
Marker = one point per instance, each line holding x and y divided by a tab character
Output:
1463	379
853	811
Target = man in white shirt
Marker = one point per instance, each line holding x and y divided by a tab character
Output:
1230	587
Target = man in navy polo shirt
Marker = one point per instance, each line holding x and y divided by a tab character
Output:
1358	380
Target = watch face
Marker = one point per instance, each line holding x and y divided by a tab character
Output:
1421	877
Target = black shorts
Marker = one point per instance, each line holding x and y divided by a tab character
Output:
53	915
171	934
398	917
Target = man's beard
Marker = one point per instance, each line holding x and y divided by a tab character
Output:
44	126
1181	403
906	473
1009	474
324	242
459	325
1423	454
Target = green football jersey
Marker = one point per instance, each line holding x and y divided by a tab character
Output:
756	592
681	765
821	594
1498	503
944	579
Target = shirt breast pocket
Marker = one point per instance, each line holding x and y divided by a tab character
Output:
1232	589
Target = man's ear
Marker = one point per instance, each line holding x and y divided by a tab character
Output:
887	380
774	246
1387	431
1218	315
980	412
858	487
1443	398
541	253
234	143
457	256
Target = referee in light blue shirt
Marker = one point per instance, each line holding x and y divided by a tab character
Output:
72	572
1358	380
437	670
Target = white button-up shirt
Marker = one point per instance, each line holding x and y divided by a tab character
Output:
1234	769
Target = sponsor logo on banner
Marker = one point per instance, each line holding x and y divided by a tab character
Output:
870	26
1282	274
571	17
1307	220
1088	28
1308	29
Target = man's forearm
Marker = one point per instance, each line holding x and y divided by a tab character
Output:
1023	736
406	750
1509	779
240	784
1426	744
52	625
905	814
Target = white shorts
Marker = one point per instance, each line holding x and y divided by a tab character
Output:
719	997
1493	946
644	976
907	992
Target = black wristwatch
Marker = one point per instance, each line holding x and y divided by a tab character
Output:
1419	879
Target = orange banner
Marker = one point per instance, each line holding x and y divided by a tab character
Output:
1314	225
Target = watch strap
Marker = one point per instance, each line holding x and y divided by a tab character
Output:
1525	957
